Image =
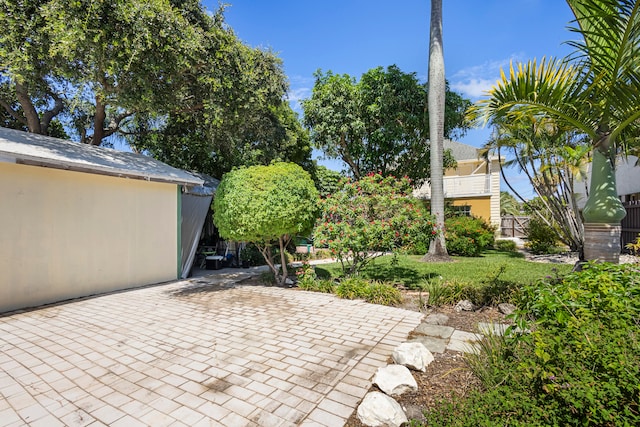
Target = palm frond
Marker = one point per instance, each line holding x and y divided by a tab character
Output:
538	89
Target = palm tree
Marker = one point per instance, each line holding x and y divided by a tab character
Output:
551	158
436	103
596	92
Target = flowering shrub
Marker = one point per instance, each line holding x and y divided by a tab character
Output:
468	236
306	276
369	217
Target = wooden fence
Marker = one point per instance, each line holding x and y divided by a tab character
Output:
630	223
516	226
513	226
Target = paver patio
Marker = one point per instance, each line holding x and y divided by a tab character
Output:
195	353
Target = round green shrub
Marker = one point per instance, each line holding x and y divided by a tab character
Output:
541	238
353	288
468	236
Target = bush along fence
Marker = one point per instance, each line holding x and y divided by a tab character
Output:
630	223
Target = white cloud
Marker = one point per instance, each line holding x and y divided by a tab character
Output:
296	95
475	81
299	88
473	88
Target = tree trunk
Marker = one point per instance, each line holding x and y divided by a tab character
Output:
283	259
436	104
603	212
30	113
98	123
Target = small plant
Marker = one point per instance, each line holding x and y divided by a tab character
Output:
634	247
489	363
437	292
353	288
495	290
447	293
541	238
306	276
383	294
320	285
468	236
505	246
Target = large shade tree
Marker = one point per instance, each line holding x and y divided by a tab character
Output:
595	92
167	76
380	123
99	62
266	205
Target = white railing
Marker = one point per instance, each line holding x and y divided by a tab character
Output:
460	186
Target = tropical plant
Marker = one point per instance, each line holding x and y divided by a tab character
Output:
541	237
266	204
369	217
576	365
595	92
509	205
552	159
634	247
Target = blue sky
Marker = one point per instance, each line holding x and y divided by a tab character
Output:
353	36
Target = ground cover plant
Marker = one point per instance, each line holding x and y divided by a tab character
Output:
579	365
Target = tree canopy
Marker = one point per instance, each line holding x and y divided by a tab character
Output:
266	204
168	76
379	124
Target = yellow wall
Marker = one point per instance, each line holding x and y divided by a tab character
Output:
480	206
68	234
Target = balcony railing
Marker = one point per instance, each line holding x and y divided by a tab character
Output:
460	186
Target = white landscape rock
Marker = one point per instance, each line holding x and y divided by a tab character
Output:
413	355
395	380
378	410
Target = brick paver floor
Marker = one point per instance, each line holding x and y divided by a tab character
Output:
195	353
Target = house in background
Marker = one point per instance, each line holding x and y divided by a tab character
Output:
473	187
78	220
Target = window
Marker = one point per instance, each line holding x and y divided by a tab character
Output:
462	210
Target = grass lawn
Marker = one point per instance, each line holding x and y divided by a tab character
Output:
411	272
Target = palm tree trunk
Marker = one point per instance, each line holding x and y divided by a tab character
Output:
603	212
436	102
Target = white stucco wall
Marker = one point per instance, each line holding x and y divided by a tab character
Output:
627	179
68	234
